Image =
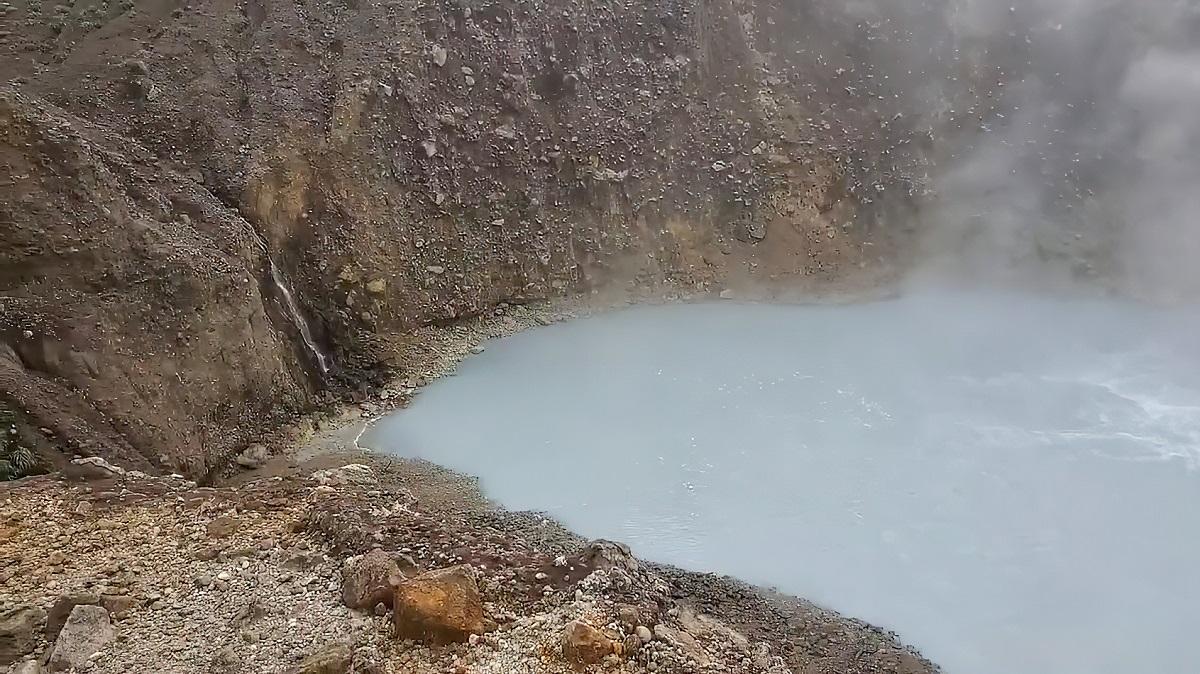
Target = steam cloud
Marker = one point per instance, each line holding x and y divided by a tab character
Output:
1068	141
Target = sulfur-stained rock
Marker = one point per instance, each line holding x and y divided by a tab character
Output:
584	644
439	606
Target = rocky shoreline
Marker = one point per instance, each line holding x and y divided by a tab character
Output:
114	571
293	566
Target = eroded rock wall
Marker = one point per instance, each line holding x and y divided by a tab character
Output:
405	164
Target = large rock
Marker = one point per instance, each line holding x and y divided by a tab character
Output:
62	608
18	627
87	631
438	607
254	456
368	580
602	555
584	644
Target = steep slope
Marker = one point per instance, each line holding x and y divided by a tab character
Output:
407	164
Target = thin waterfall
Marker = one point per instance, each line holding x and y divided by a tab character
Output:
289	301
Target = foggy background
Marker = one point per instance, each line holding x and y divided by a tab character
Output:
1066	138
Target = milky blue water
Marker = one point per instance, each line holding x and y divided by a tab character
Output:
1008	482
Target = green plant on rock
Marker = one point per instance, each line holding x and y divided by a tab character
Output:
16	460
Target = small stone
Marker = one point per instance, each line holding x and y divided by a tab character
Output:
439	55
376	286
203	580
644	634
727	294
435	269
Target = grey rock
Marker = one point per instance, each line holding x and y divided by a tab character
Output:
367	580
28	667
439	55
87	631
61	610
352	473
252	457
18	627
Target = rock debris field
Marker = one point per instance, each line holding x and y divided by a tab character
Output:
355	564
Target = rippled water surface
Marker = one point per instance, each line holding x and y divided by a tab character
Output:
1010	483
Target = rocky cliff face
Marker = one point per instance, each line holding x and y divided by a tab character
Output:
404	164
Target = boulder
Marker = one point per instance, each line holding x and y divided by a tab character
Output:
586	645
254	456
18	627
439	606
62	608
87	631
332	658
602	555
368	580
